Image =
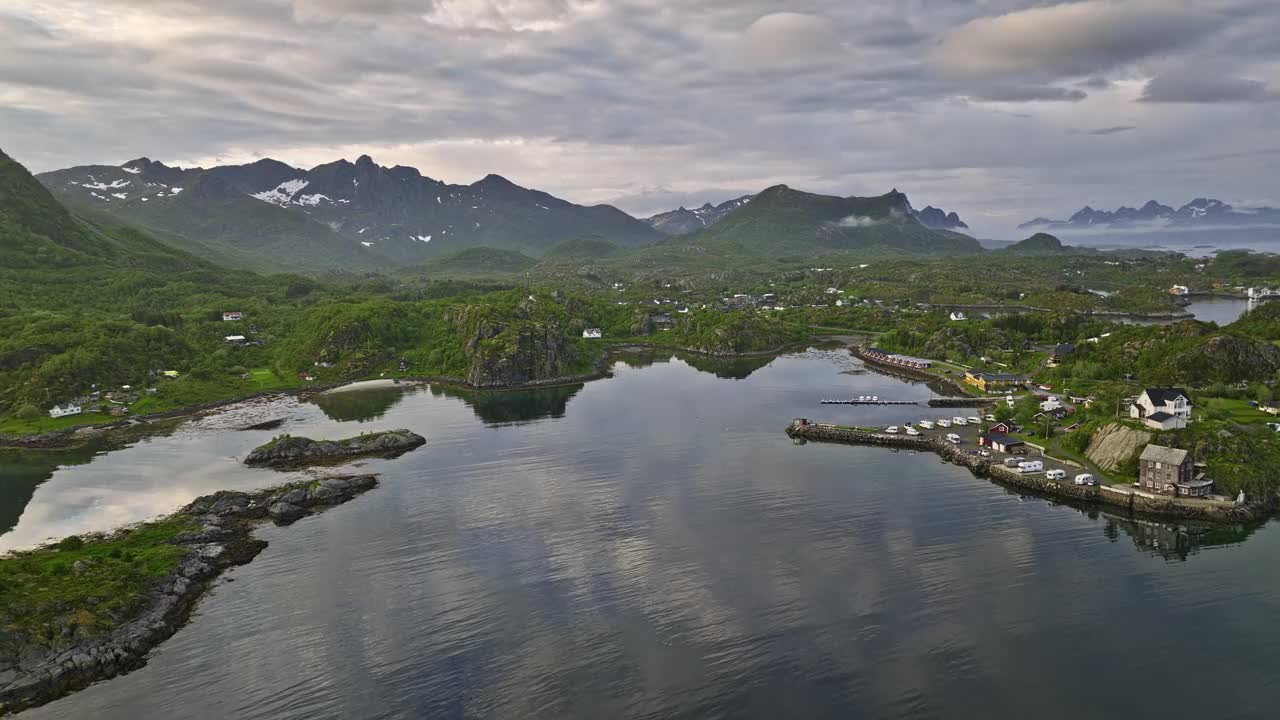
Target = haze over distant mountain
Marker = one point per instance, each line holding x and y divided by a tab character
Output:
268	215
682	221
1199	213
781	221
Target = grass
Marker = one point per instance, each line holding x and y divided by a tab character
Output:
1238	411
18	426
41	594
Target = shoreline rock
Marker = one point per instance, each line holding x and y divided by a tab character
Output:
33	675
287	451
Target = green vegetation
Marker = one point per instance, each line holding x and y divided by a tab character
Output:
83	587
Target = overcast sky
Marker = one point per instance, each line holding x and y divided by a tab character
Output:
999	109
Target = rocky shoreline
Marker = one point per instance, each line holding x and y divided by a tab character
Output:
1133	502
32	674
287	451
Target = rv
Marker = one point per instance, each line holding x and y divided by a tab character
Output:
957	420
912	431
1056	474
926	424
954	439
1030	466
1011	462
944	423
1086	479
892	429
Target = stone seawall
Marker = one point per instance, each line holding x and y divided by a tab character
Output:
908	373
1125	498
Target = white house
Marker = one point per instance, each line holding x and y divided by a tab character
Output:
70	408
958	316
233	315
235	338
592	333
1162	408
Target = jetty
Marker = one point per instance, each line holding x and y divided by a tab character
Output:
868	401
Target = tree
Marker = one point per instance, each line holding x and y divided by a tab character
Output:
28	412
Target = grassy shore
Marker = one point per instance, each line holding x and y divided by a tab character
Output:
83	587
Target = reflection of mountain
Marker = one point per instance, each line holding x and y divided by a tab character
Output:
1175	541
358	405
727	368
22	471
513	406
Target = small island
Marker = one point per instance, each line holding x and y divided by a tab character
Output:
288	451
90	608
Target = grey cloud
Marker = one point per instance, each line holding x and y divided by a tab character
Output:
606	101
1069	39
1202	86
1114	130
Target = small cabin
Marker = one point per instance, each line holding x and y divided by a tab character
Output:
232	316
1001	443
592	333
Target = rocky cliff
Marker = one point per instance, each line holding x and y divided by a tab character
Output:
1114	445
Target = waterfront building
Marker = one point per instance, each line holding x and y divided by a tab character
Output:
1170	471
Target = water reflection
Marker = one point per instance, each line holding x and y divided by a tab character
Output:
1175	541
359	405
512	406
22	471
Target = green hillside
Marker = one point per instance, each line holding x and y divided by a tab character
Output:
784	222
1038	244
583	248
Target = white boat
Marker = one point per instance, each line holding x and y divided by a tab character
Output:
875	398
912	431
892	429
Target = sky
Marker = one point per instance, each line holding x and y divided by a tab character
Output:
1002	110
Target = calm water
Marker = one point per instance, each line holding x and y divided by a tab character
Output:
653	546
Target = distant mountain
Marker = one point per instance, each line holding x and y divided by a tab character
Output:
585	248
1038	244
1199	213
938	219
269	215
682	221
781	221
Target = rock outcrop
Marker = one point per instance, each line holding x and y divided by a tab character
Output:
1114	445
33	671
288	451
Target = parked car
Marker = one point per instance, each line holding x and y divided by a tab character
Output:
1056	474
892	429
984	453
1086	479
1031	466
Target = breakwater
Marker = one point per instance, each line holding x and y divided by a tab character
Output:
908	373
1131	500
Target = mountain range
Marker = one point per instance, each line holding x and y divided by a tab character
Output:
682	221
269	216
1199	213
357	215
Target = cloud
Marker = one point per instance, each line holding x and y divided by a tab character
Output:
1026	93
1201	85
788	39
857	221
1113	130
1071	39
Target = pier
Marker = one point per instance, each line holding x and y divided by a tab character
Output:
864	401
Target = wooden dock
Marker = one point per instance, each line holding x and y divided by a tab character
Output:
869	402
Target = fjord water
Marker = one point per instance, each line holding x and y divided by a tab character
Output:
653	546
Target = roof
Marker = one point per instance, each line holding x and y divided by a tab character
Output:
999	377
1196	484
1159	416
1162	454
1002	439
1064	349
1162	396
